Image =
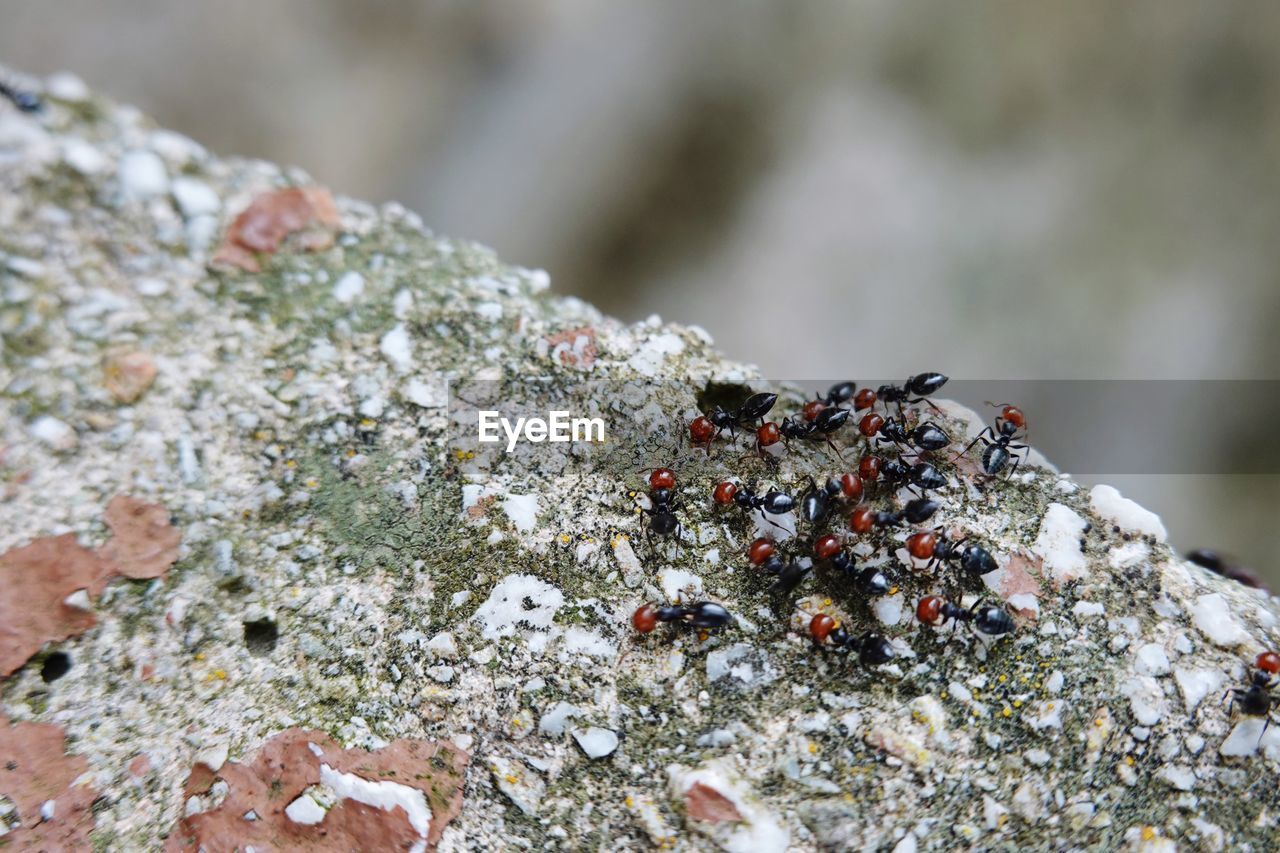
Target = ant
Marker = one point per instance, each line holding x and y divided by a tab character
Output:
935	547
816	503
872	648
926	436
662	504
986	618
28	102
772	502
706	428
839	393
821	426
921	386
763	553
997	453
870	580
1223	565
704	614
922	475
1256	700
864	519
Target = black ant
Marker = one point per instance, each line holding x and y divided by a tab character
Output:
822	426
662	504
914	390
763	553
1256	700
935	547
706	428
816	503
921	475
864	519
870	580
926	436
704	615
986	618
997	453
28	102
839	393
872	648
772	502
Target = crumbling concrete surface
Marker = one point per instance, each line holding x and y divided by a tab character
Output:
245	565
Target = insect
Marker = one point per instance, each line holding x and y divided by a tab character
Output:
869	580
816	503
926	436
1257	700
872	648
839	393
772	502
704	614
864	519
822	426
985	618
914	390
921	475
1223	565
935	547
28	102
763	553
661	511
999	446
706	428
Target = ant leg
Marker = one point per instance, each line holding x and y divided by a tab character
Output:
765	516
1014	467
982	436
834	447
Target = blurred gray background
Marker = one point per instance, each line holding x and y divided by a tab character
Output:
997	190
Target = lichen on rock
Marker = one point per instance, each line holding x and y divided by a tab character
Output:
311	557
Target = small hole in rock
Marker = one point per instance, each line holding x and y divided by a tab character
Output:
527	603
55	666
260	636
726	395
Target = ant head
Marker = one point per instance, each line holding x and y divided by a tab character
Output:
1261	678
660	496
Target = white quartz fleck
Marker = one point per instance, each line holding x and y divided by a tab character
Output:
348	287
596	742
1213	616
1108	503
1151	659
1058	544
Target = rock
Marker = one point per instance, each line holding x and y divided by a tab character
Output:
596	742
142	175
281	447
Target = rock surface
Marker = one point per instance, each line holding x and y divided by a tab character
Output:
343	577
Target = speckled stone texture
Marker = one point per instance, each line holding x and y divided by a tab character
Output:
275	383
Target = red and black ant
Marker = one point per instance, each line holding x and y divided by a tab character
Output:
28	102
926	436
816	502
839	393
870	580
1222	565
985	618
772	502
1257	700
921	475
763	553
914	390
704	614
872	648
997	453
662	504
821	426
935	547
864	519
706	428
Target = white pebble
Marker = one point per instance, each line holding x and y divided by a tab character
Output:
1213	616
142	175
348	288
1108	503
83	157
1151	660
596	742
1146	699
556	720
53	433
397	348
304	810
1058	544
195	197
